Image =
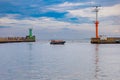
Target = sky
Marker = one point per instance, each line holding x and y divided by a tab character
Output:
59	19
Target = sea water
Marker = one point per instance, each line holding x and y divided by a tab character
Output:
72	61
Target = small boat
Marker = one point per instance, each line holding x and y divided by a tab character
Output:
57	42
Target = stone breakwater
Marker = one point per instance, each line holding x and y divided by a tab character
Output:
17	39
109	40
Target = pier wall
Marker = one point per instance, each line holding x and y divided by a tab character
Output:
105	41
17	39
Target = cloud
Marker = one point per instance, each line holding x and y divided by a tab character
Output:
104	12
76	16
51	24
40	23
79	9
110	11
45	25
81	13
68	6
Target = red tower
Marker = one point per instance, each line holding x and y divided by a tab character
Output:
96	22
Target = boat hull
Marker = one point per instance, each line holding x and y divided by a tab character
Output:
57	42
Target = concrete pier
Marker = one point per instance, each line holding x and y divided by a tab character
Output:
17	39
29	38
108	40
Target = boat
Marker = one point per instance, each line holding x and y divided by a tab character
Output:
57	42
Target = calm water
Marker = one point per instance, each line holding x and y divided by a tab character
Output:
72	61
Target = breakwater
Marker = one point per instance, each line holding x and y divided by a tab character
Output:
29	38
108	40
17	39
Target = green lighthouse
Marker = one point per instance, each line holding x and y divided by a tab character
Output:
30	37
30	32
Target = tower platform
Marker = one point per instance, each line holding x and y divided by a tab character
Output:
108	40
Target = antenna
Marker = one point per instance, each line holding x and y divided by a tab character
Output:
96	10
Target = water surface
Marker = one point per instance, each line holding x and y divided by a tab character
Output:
72	61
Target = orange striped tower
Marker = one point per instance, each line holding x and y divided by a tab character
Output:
96	22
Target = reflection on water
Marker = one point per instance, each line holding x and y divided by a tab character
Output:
30	63
96	61
107	62
72	61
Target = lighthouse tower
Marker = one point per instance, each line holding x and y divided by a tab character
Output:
102	39
30	32
96	21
